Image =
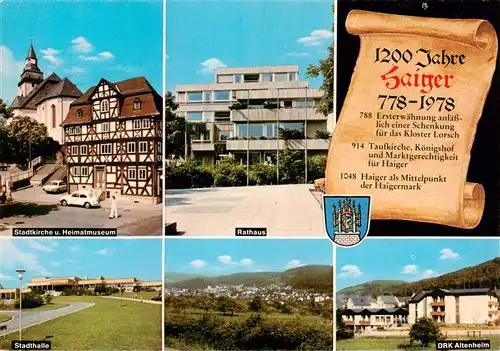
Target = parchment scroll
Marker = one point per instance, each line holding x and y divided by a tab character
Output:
408	122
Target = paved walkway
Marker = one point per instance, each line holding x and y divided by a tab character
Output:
285	210
131	299
31	318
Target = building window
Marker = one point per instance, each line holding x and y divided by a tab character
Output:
105	127
195	96
106	149
132	174
74	150
83	149
131	147
145	123
222	95
137	104
207	96
143	146
292	76
222	115
142	174
76	170
85	171
78	130
280	77
251	78
195	116
79	114
225	134
105	106
71	130
224	78
267	77
137	124
238	78
54	121
303	104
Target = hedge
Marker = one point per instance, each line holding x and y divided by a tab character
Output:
228	173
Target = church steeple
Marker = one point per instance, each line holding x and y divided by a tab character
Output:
32	75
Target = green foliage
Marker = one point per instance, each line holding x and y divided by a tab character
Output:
322	134
262	174
21	134
48	298
188	174
290	134
253	333
425	331
257	305
5	112
175	128
227	305
229	173
343	332
100	289
325	68
29	300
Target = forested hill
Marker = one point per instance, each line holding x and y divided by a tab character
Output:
318	278
484	275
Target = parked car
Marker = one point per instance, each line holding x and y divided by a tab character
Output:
79	198
55	187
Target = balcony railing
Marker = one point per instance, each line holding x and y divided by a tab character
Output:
437	313
205	145
283	114
492	303
271	145
438	303
364	322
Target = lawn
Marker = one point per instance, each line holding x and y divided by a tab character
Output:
146	295
110	324
392	343
191	312
4	318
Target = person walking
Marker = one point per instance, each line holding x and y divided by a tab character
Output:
114	207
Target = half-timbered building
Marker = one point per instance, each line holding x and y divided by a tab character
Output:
113	140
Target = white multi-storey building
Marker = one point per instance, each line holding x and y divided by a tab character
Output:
455	306
45	100
244	110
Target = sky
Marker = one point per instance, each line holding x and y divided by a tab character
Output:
111	258
84	41
410	259
227	256
204	36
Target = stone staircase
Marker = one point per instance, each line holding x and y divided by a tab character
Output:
43	173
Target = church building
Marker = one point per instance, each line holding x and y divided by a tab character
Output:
113	140
46	100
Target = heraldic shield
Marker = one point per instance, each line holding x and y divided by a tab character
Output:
347	218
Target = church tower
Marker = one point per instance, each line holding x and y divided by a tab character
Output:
31	76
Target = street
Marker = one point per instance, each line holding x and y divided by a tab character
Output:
31	318
285	210
42	211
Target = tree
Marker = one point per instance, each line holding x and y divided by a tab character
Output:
255	304
227	305
175	129
325	68
425	330
5	112
100	289
48	298
29	138
342	331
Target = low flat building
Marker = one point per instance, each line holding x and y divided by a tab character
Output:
361	302
151	286
58	284
370	318
455	306
10	295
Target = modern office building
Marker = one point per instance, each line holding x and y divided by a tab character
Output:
455	306
244	110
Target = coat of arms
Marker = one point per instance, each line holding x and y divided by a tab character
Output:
347	218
